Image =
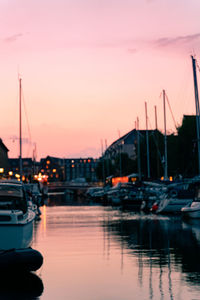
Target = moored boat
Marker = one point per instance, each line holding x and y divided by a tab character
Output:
192	210
178	195
16	218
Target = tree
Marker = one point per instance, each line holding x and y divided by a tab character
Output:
187	147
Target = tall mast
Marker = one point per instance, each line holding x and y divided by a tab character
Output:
107	158
197	109
103	165
157	143
147	141
165	139
138	149
20	128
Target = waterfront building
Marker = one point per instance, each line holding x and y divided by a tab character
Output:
4	161
67	169
29	167
127	144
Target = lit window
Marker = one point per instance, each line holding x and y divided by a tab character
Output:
48	162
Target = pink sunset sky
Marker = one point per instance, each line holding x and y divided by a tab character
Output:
88	66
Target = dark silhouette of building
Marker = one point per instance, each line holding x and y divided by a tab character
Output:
28	166
4	161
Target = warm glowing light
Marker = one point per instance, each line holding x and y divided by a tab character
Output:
54	170
23	178
162	178
1	170
10	173
41	177
170	178
48	162
116	180
17	176
89	160
133	179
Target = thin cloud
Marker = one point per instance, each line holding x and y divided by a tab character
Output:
168	41
13	38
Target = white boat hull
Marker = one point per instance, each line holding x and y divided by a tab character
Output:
172	205
192	211
16	235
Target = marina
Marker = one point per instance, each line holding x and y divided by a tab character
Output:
100	150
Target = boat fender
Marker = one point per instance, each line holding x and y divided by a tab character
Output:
154	207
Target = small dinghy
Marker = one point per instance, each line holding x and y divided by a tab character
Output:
20	285
20	260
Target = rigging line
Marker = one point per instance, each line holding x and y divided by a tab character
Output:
171	111
197	66
156	143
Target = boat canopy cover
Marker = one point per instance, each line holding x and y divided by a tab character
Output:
12	196
11	190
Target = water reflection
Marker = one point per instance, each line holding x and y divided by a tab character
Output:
164	243
94	252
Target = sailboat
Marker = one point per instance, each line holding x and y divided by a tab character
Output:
16	225
16	217
193	210
182	197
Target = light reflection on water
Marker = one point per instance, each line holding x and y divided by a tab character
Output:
94	252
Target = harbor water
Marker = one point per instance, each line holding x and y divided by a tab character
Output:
104	253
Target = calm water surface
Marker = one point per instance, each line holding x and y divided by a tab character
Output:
100	253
